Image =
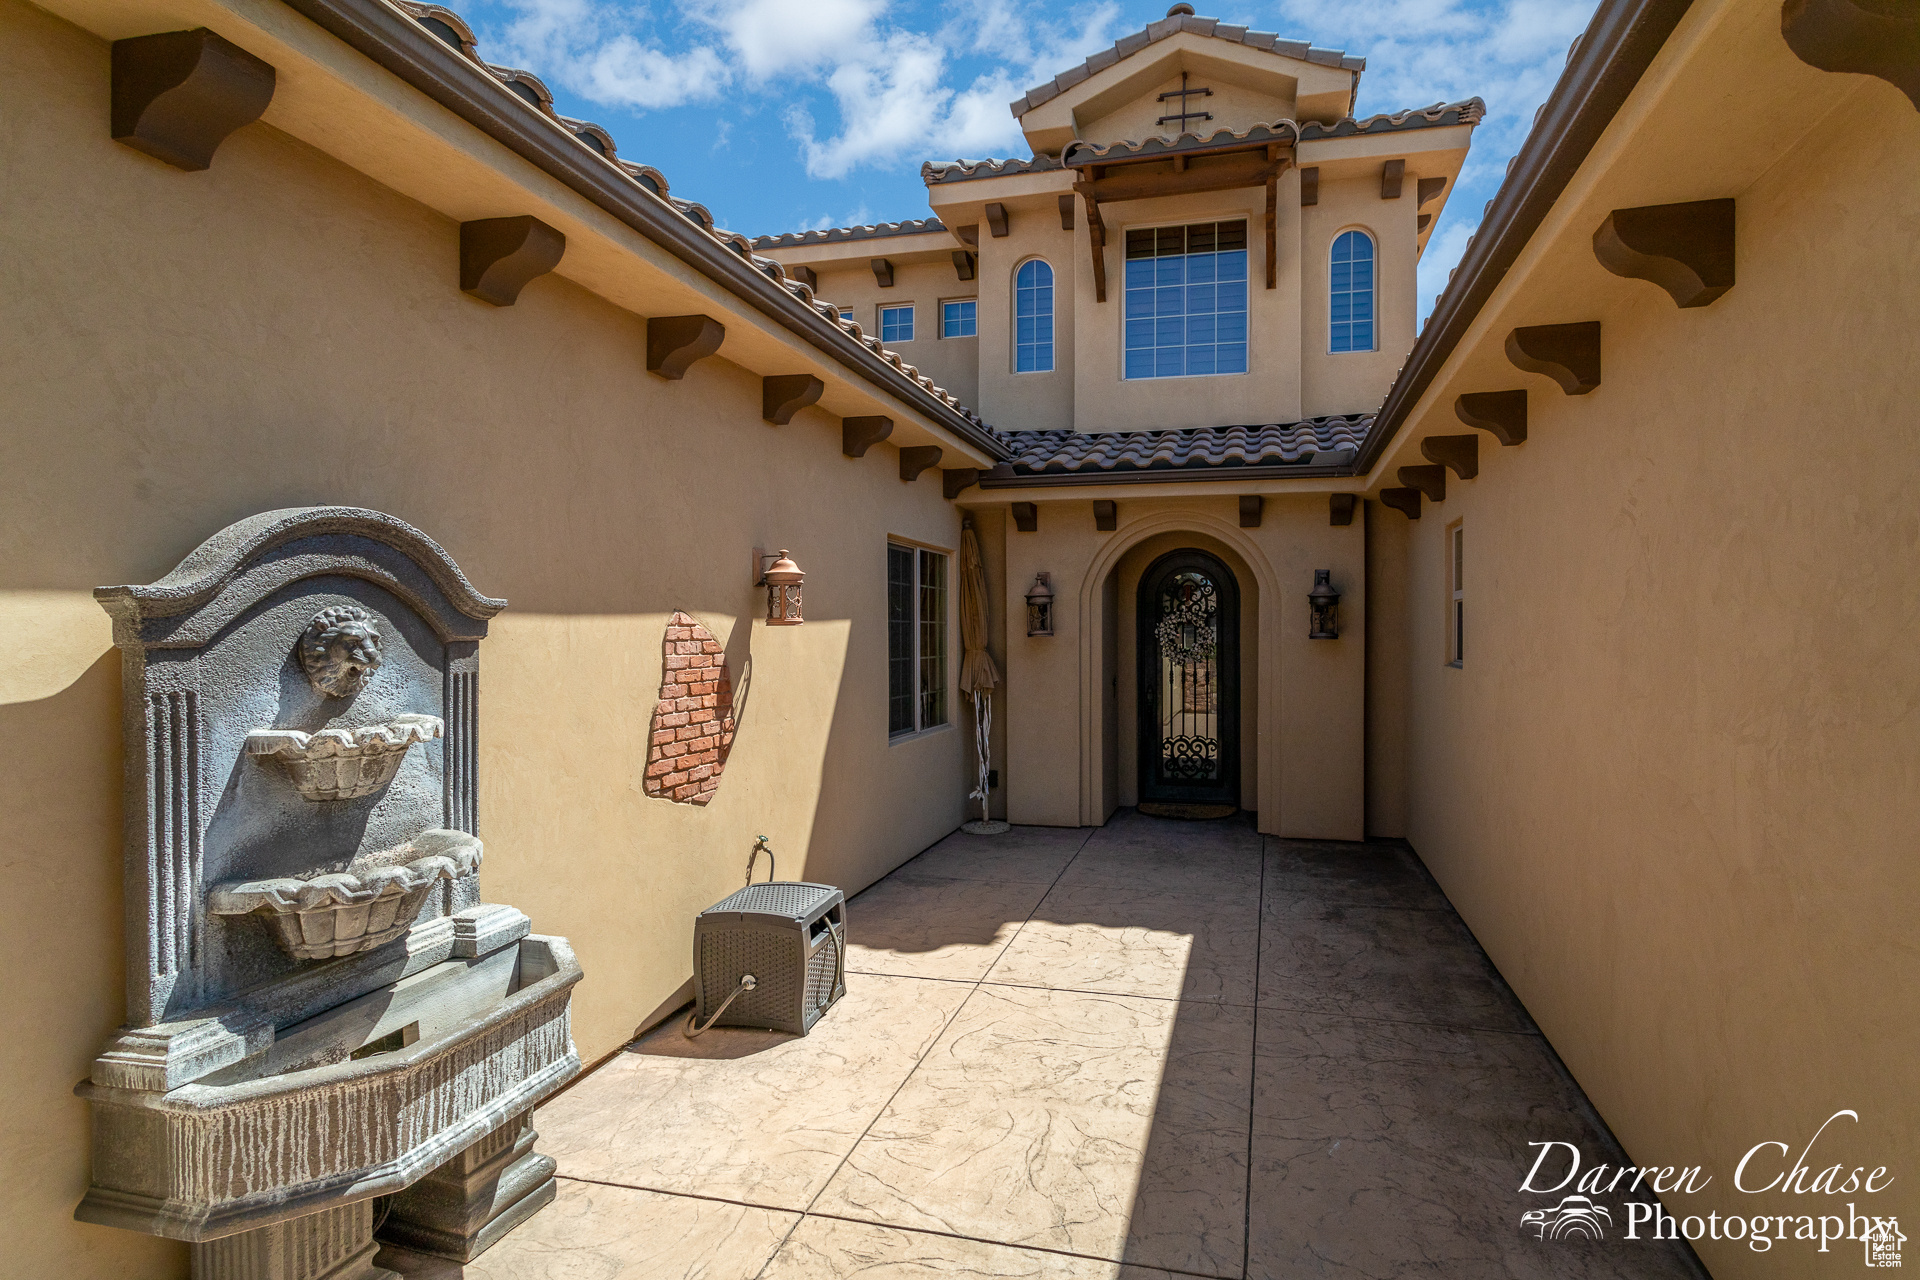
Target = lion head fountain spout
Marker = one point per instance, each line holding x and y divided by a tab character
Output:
340	651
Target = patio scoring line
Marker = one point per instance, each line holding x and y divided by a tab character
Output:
931	1042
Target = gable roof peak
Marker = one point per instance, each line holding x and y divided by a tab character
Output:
1180	18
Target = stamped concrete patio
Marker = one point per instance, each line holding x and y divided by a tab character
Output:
1153	1048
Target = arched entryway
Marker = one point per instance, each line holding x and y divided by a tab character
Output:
1188	660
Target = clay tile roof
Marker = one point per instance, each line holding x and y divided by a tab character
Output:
1039	453
834	235
451	29
1470	111
1173	25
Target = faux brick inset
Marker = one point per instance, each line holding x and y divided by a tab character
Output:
693	723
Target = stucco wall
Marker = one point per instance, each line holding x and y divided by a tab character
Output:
1356	381
1672	787
1040	400
953	363
188	349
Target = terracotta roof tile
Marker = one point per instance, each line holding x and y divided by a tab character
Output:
837	235
1173	25
451	29
1200	448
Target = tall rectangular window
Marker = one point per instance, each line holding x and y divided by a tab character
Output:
959	319
1456	604
916	639
1186	308
896	324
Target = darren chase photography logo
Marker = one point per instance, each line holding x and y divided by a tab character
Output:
1819	1217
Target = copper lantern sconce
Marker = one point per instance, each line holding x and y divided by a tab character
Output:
1326	607
1040	606
782	578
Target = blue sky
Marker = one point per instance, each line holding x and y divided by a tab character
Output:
784	114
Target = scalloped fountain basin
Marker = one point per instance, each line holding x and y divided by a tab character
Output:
344	764
356	1101
372	902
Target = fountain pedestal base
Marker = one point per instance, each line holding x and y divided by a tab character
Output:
334	1244
460	1209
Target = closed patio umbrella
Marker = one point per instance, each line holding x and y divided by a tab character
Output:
977	674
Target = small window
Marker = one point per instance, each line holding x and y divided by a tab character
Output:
1350	315
896	324
916	639
959	319
846	314
1186	308
1456	605
1033	317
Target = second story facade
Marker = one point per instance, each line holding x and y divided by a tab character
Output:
1203	236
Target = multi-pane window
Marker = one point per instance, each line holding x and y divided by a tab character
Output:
916	639
1456	605
1187	300
1351	282
959	319
896	324
1033	317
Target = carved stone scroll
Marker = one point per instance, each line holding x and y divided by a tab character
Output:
857	435
1392	174
1567	353
963	268
783	395
1106	515
500	256
674	343
882	272
1459	453
1310	185
1026	517
1252	507
1340	508
178	95
1686	249
805	275
1066	213
1405	501
1871	38
1501	413
917	458
1426	189
1430	480
997	219
957	480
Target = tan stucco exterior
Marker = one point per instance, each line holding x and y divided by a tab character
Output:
1670	787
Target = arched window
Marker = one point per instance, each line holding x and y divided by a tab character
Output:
1033	317
1351	284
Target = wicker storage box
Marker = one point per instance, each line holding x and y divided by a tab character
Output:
791	936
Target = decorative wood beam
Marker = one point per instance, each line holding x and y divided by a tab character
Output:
1501	413
963	264
1222	173
675	342
1310	185
499	256
1422	222
968	235
1106	515
1871	37
1340	507
1686	249
1460	453
1026	517
178	95
1392	173
1426	189
997	219
1429	480
1066	213
857	435
1567	353
783	395
806	275
882	272
956	480
1097	237
1405	501
1251	507
916	458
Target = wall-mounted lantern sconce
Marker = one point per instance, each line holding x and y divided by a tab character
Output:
782	578
1040	606
1326	607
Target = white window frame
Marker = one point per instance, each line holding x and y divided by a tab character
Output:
1053	317
944	303
1327	294
880	322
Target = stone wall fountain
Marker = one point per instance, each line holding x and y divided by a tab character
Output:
320	1008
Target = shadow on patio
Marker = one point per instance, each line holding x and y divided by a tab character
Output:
1153	1048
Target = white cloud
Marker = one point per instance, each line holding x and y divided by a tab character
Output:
770	36
587	48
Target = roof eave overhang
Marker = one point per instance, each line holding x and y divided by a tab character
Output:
1607	62
1167	475
419	58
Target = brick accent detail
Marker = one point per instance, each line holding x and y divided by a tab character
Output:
693	723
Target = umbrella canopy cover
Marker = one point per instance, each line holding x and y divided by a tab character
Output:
977	672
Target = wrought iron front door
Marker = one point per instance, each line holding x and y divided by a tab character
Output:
1189	648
